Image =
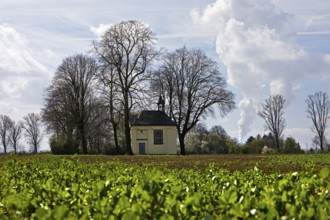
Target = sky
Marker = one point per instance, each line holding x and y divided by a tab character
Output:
263	47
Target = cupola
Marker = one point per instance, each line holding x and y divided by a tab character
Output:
161	103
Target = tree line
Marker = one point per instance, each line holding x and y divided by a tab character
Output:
272	112
317	109
216	140
11	132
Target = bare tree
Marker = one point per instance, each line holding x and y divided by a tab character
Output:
128	48
111	95
33	134
192	85
56	113
5	123
272	112
15	133
99	129
318	110
69	98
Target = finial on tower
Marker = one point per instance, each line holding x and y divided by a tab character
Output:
161	103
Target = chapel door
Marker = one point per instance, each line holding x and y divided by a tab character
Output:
142	148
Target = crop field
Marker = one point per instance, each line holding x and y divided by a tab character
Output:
165	187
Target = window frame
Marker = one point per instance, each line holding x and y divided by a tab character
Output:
158	137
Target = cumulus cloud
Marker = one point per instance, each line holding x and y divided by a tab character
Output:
20	73
100	30
14	55
256	43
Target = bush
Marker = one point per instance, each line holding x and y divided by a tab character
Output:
291	146
267	150
62	144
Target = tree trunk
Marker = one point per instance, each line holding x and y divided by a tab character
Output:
4	147
83	142
277	142
321	142
127	127
182	145
83	138
35	148
115	134
114	126
128	138
15	146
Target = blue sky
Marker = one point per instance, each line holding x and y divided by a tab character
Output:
263	47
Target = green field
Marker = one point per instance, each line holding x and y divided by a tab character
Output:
165	187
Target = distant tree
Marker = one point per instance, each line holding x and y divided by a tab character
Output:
254	146
233	145
217	140
15	133
200	140
249	140
196	139
69	99
33	134
5	124
258	144
193	143
291	146
318	110
127	49
201	133
272	112
192	85
269	140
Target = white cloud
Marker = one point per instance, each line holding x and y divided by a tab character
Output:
257	44
12	88
327	58
23	77
100	30
14	55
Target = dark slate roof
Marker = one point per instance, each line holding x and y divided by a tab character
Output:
147	118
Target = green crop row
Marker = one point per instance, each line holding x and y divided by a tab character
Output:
59	188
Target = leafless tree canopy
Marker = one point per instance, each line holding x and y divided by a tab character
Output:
33	134
192	86
69	98
273	114
15	133
5	124
112	99
127	50
318	106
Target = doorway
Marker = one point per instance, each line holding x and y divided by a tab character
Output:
142	148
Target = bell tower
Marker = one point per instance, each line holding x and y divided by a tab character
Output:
161	104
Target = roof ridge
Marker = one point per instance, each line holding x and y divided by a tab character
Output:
153	117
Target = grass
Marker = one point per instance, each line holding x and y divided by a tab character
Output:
45	186
231	162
